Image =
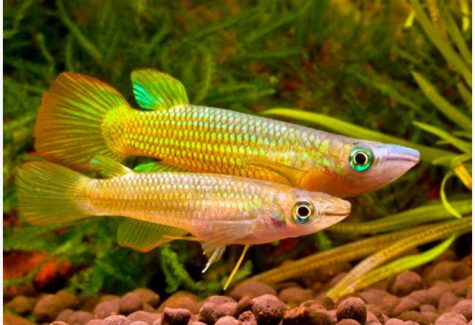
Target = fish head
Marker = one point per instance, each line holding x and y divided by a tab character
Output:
360	167
302	213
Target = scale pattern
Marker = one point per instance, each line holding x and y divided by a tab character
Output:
215	140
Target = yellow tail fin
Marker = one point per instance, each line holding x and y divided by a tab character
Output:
68	128
50	194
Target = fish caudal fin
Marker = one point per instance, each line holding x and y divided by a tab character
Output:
50	194
68	128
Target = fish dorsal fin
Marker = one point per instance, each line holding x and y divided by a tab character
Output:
292	174
145	236
155	90
158	167
109	167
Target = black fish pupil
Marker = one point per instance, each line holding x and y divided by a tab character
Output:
361	159
303	211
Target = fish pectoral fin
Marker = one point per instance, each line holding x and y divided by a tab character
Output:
155	90
292	174
109	167
224	233
158	167
145	236
213	251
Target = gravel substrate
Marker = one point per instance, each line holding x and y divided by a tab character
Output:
439	294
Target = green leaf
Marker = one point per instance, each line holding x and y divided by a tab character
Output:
427	154
451	112
443	197
442	44
455	34
456	142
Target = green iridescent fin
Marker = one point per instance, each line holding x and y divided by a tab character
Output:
158	167
68	127
145	236
155	90
109	167
292	174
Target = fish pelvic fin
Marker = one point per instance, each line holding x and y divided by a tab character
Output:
51	194
145	236
68	128
155	90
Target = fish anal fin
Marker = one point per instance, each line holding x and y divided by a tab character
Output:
213	251
292	174
155	90
109	167
145	236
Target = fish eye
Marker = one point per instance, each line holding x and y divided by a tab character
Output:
303	211
361	159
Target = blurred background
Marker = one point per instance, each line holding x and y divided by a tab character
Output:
379	66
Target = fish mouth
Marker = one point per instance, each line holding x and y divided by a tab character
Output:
340	210
403	154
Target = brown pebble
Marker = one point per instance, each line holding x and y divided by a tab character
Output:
268	309
219	299
430	315
192	323
451	319
294	296
22	305
463	307
139	322
243	304
371	319
441	271
406	282
461	271
253	288
80	317
348	321
107	308
68	299
302	316
64	315
56	322
414	316
320	317
461	287
405	304
129	303
352	308
447	300
143	316
108	297
96	322
376	312
147	296
47	308
90	303
394	321
228	320
436	292
175	316
182	299
117	320
248	318
372	296
216	307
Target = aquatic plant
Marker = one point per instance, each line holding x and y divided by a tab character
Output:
444	34
343	62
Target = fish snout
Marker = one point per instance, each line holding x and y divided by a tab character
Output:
338	208
403	155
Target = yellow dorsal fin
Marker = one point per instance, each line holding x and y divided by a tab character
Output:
155	90
109	167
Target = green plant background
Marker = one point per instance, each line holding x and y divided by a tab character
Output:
363	62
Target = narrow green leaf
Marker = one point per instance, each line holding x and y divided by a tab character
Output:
402	264
451	112
443	197
442	45
455	34
427	154
465	94
456	142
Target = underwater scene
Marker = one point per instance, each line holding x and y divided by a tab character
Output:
237	162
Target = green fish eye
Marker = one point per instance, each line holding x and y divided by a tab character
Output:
303	211
361	159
